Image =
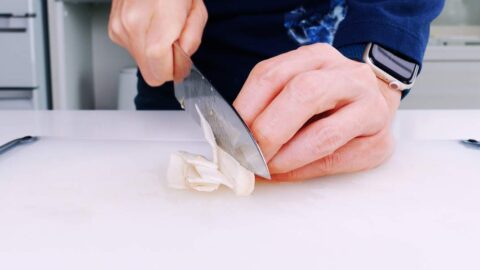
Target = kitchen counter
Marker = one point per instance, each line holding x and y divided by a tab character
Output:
91	194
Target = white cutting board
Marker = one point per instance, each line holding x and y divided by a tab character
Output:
68	204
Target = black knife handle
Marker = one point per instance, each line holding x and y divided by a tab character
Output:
12	144
471	143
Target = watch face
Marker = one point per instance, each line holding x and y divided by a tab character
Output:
401	69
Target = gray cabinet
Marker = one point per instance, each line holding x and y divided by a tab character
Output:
23	82
16	6
17	45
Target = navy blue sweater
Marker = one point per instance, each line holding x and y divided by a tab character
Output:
241	33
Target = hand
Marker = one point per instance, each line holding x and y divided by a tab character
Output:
148	29
314	113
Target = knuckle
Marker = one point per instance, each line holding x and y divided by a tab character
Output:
272	76
131	21
302	88
293	175
206	16
261	68
323	47
265	73
112	36
192	43
327	141
264	135
152	81
196	42
320	49
116	38
329	162
204	13
114	28
155	51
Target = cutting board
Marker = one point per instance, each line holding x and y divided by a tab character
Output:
73	204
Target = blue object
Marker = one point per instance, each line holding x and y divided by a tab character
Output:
241	33
471	143
308	25
14	143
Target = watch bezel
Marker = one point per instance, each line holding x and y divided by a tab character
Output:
387	74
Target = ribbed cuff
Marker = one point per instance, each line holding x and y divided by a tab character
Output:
389	36
354	52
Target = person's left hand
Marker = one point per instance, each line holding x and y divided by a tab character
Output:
314	112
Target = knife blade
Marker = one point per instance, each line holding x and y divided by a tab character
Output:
193	90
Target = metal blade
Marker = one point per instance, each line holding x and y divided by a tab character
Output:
231	133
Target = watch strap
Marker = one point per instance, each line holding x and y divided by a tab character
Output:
356	51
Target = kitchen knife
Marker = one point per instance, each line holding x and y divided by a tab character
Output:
193	90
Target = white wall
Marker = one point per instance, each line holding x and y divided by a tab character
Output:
71	58
108	60
85	63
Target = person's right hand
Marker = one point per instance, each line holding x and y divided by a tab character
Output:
148	29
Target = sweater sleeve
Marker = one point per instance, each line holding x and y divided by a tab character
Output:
402	26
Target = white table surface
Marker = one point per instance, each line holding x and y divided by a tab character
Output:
103	203
410	124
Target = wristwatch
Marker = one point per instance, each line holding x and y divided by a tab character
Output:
399	73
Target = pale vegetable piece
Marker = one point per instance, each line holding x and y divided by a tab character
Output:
197	160
243	179
209	175
187	170
177	171
208	134
194	171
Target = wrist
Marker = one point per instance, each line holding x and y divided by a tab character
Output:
392	97
356	52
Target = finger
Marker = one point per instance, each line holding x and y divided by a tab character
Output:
136	22
182	64
269	77
325	136
191	36
308	94
116	31
358	155
165	28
